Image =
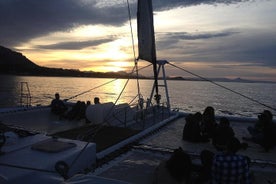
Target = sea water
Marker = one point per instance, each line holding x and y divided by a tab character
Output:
189	96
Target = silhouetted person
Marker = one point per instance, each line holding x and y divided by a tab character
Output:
222	134
259	125
96	100
205	170
191	130
77	112
88	102
57	105
208	122
230	167
264	131
176	170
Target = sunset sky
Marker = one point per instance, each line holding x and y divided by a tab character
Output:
212	38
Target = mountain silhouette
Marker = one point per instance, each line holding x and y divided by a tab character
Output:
15	62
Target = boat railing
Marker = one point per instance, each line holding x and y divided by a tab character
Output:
151	115
124	115
25	94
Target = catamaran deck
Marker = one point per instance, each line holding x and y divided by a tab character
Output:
141	161
171	138
141	158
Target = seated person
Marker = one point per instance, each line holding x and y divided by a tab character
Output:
264	131
175	170
259	125
204	174
88	102
208	122
77	111
57	105
192	131
222	134
230	167
96	100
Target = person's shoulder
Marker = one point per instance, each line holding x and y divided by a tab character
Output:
241	158
162	175
54	101
219	156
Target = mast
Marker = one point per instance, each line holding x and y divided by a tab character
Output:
146	38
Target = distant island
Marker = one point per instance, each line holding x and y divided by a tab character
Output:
15	63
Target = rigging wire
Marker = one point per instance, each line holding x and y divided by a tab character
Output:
87	91
96	130
101	85
133	50
131	30
224	87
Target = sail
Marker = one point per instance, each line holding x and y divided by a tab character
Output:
146	39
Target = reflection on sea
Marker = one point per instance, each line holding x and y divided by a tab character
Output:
190	96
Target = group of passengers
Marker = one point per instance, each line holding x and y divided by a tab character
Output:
225	166
200	127
77	111
203	128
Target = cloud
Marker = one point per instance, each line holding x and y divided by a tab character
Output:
22	20
166	5
227	45
75	45
170	38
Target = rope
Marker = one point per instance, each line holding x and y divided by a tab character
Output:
133	50
95	131
131	31
224	87
138	86
110	110
99	128
78	156
91	89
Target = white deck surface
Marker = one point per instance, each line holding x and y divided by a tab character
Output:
39	120
21	163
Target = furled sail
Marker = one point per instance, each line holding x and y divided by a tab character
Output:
146	39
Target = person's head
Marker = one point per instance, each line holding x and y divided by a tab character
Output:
265	117
96	100
179	165
233	145
209	111
57	96
224	122
198	116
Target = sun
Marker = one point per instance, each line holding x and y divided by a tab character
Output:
111	66
106	69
